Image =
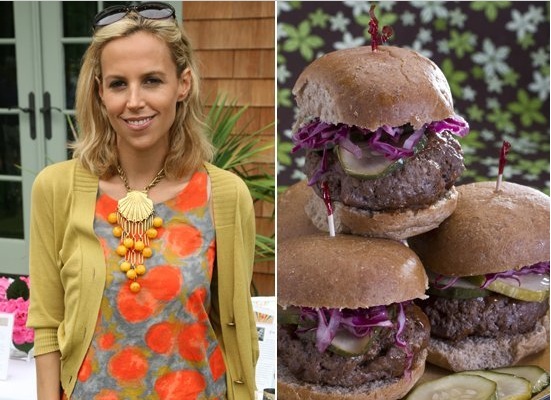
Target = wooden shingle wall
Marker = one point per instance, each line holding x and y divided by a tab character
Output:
234	43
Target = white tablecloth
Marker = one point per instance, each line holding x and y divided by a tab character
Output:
21	382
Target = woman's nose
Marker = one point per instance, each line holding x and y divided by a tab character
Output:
135	97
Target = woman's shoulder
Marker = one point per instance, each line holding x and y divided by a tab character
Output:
53	170
64	174
222	178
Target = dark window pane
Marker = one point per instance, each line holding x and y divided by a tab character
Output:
73	56
78	17
8	77
11	210
10	150
6	20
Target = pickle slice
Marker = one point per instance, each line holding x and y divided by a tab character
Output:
538	377
288	315
509	387
346	344
456	386
461	288
370	165
532	287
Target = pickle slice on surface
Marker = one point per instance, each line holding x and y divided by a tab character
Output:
531	287
456	387
370	165
509	387
538	377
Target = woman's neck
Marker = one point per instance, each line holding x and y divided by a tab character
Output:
141	168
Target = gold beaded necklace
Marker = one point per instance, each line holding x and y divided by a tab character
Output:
135	224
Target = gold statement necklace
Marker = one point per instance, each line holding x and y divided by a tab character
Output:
135	224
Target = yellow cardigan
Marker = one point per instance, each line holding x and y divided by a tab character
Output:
68	271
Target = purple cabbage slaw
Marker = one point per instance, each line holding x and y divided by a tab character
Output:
319	135
541	268
359	322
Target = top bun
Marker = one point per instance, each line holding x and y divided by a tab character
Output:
347	271
390	86
489	231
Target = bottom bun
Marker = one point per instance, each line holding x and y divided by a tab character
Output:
484	353
397	225
290	388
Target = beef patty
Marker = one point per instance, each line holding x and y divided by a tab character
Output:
491	316
423	180
383	360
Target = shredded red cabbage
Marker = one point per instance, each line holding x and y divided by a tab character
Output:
456	125
541	268
360	322
447	285
393	142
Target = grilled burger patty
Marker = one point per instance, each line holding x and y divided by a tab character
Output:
423	180
491	316
382	360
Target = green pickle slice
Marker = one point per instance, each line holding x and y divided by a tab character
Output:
456	386
370	165
532	287
538	377
509	387
346	344
461	289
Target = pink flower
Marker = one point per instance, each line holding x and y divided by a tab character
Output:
4	284
19	308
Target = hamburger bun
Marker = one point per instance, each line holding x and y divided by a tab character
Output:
478	352
397	225
489	231
391	86
291	218
347	271
290	388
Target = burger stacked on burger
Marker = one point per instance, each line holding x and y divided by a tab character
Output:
347	326
379	131
488	266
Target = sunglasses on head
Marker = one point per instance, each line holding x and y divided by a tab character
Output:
149	10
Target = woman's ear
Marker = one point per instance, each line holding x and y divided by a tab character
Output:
184	84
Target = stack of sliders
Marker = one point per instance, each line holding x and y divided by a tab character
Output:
488	266
378	128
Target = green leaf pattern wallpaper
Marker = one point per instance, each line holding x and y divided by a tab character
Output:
495	56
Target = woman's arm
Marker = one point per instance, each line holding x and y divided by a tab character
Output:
48	368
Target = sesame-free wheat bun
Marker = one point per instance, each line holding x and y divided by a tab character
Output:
347	271
378	129
489	231
391	86
292	220
347	325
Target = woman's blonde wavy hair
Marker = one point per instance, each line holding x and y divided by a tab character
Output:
96	146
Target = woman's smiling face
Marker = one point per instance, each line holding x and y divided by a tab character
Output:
140	88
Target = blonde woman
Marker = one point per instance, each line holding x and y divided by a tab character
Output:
141	251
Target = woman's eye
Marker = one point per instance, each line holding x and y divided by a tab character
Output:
152	81
116	84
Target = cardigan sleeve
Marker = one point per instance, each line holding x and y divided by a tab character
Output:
46	308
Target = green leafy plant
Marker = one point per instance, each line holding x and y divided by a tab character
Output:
235	150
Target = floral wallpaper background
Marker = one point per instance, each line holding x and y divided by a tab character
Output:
495	56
